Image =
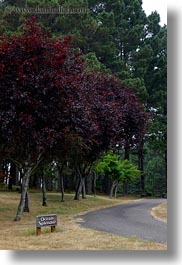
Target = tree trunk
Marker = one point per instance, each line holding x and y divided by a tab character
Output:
141	166
60	169
127	152
82	172
25	185
83	189
112	189
12	178
27	203
62	188
21	180
89	183
115	192
44	196
126	157
94	183
78	190
80	187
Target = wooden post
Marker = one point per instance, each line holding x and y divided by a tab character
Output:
53	228
38	231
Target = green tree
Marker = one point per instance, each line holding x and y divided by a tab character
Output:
119	171
156	83
93	63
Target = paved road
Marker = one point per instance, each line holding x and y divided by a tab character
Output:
130	220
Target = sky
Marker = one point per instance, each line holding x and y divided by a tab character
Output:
159	5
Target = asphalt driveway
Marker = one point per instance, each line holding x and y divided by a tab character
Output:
130	220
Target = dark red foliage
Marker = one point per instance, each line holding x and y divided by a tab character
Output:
104	114
33	68
48	101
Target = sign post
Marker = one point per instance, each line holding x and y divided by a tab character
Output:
46	220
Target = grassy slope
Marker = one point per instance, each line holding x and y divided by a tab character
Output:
68	235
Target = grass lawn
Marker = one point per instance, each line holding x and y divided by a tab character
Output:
160	212
68	235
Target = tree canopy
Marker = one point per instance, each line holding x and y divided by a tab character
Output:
47	95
